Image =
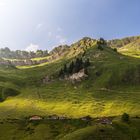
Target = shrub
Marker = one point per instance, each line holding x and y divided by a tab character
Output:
100	47
101	44
6	92
98	73
125	117
115	49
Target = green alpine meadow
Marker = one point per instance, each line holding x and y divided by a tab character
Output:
88	90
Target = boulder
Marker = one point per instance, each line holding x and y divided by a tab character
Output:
78	76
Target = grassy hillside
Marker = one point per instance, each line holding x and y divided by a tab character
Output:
131	49
108	91
112	88
117	131
129	46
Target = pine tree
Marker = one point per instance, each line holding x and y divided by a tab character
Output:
102	41
71	67
61	73
87	63
100	47
101	44
65	69
81	64
77	66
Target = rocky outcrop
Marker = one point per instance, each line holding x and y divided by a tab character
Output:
78	77
5	62
27	62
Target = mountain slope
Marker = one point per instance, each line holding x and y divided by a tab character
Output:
128	46
111	89
131	49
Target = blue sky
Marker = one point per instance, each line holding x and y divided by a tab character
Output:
44	24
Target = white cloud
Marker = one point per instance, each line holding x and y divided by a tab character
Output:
32	47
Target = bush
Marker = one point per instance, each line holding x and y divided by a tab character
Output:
125	117
101	44
100	47
6	92
115	49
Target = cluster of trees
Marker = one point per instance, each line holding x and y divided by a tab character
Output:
74	67
101	44
18	54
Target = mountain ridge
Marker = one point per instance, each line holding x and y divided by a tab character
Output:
123	46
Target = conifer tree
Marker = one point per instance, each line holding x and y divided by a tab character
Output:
71	66
86	63
61	73
65	69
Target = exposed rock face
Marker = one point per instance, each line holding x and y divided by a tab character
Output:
17	63
78	76
60	50
22	62
118	43
54	55
5	62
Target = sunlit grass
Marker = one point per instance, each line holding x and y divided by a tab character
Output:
74	100
70	103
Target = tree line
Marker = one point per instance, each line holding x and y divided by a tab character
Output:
18	54
74	67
